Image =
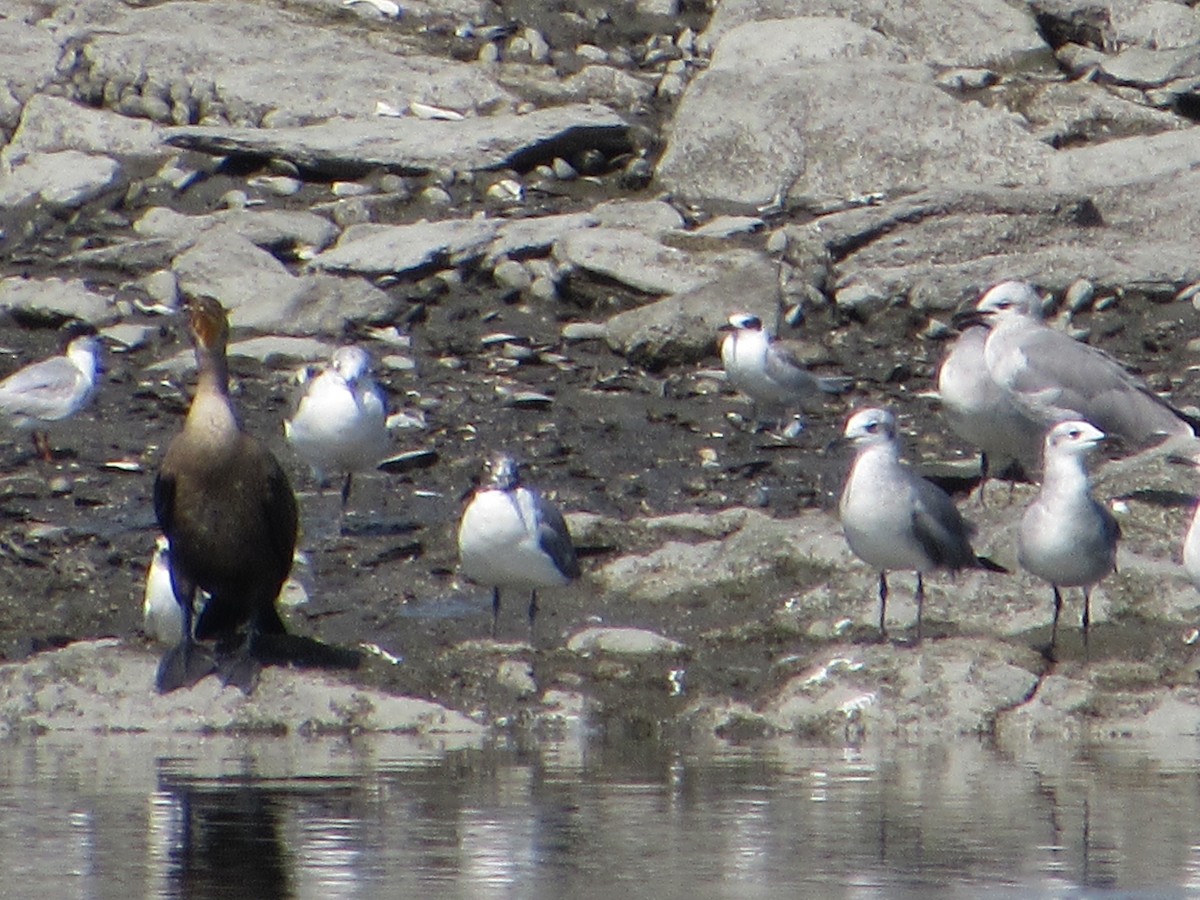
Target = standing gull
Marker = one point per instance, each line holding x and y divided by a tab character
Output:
45	392
982	413
339	425
767	371
893	518
225	505
1053	378
1066	537
512	537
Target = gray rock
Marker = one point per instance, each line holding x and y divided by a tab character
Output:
1125	161
632	257
162	288
517	676
1145	68
271	229
129	336
417	146
649	215
979	33
888	251
626	641
750	136
949	688
51	124
64	179
682	328
59	692
266	60
249	282
728	226
738	567
511	275
56	299
326	304
805	40
27	64
265	349
384	249
605	84
536	234
1153	24
1066	114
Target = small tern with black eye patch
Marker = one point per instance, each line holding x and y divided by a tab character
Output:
767	371
54	389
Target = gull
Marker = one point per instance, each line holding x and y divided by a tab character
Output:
339	424
1053	378
162	616
767	370
224	503
51	390
1066	537
510	536
982	413
895	519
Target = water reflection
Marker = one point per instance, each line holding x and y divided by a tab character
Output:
131	816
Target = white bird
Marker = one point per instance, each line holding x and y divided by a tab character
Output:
512	537
339	425
51	390
162	616
1066	537
895	519
1053	378
767	371
1191	547
982	413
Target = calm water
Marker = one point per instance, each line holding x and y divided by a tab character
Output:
388	817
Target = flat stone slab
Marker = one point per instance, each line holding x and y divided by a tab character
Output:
415	146
370	249
631	641
105	686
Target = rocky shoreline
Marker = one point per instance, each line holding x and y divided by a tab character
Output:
535	220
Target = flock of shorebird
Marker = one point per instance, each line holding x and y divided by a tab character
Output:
1021	391
1024	393
229	516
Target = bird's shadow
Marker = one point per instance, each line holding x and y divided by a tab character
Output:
302	652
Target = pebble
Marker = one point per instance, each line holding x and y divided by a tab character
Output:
279	185
517	676
563	170
350	189
584	331
508	191
1079	296
436	196
512	275
162	287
